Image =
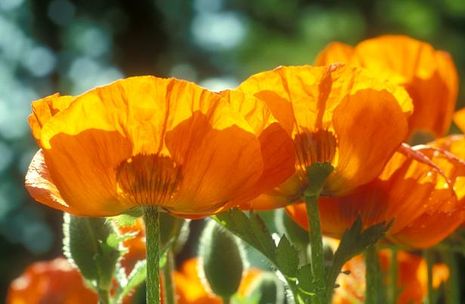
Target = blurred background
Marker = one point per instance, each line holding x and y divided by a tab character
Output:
70	46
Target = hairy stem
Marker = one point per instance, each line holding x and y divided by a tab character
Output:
152	237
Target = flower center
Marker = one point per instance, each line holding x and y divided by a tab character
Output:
148	179
313	147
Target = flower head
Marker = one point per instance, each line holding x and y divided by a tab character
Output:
429	76
420	190
147	141
337	114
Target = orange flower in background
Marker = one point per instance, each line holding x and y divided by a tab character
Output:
51	282
411	280
136	247
190	288
420	190
336	114
148	141
429	76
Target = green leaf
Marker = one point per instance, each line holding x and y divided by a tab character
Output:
353	242
250	229
90	244
317	174
135	278
124	220
296	234
287	257
305	279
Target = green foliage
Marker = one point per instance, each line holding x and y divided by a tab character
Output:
222	260
353	242
90	244
253	230
296	234
287	258
135	278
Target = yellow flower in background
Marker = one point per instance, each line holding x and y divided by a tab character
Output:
337	114
429	76
149	141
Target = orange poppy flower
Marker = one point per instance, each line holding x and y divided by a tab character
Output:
429	76
336	114
147	141
51	282
420	190
411	280
191	289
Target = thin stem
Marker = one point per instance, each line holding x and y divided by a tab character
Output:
168	279
316	243
103	296
429	266
372	276
393	273
152	238
226	300
453	283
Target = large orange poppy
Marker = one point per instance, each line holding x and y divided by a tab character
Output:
420	190
150	141
337	114
429	75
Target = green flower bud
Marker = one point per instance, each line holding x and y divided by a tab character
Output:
221	257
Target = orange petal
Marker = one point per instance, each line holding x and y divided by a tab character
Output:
360	121
45	108
335	52
459	119
217	165
40	185
443	212
82	167
429	76
276	146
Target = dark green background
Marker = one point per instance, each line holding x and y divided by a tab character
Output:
71	46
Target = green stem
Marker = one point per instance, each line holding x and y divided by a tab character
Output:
372	276
152	238
103	296
453	283
393	273
316	243
168	279
429	266
226	300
